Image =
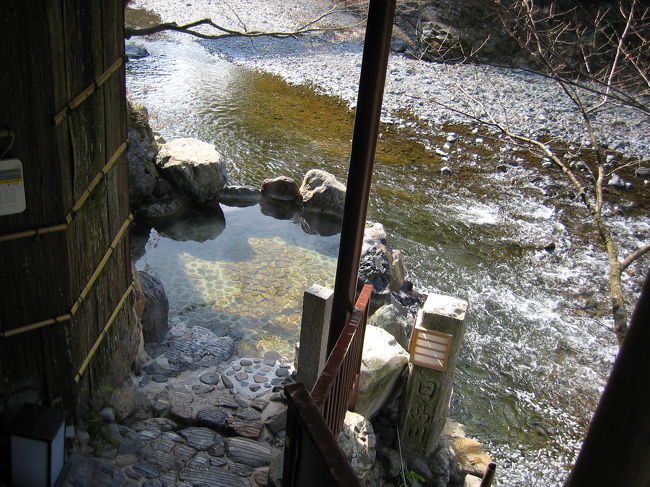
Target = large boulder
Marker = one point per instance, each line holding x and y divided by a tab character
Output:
322	192
393	319
382	362
375	241
156	308
140	155
240	196
357	441
281	188
194	167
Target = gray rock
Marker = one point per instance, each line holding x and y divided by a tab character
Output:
146	471
198	224
248	452
618	182
200	438
128	441
357	441
240	196
394	320
210	378
281	188
107	414
194	167
212	417
241	470
202	349
164	209
92	471
161	460
390	459
322	192
382	362
156	308
211	476
135	51
272	355
374	269
140	155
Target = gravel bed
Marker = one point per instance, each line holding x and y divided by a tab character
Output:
330	62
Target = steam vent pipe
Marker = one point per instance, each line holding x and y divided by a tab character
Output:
364	142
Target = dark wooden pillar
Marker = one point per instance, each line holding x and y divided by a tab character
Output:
63	265
362	158
616	450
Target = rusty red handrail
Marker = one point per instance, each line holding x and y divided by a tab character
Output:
335	389
311	454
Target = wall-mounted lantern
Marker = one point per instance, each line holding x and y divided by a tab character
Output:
430	348
37	446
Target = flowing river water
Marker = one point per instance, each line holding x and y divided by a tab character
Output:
499	232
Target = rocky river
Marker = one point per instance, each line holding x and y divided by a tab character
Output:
475	217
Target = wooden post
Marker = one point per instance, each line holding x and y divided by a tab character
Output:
434	347
314	330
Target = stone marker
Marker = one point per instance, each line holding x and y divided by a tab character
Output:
314	329
426	402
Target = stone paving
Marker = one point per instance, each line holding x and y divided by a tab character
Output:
218	425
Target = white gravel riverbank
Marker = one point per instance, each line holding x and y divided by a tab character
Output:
331	61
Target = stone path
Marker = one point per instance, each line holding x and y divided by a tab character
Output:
219	425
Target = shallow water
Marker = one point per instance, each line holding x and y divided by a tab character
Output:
539	343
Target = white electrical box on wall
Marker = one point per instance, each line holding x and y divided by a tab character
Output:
12	187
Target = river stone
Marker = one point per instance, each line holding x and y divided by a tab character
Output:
210	378
280	372
92	471
470	455
374	269
200	438
140	155
241	470
357	441
225	399
201	389
246	427
184	452
248	452
382	362
127	440
239	196
211	476
212	417
322	192
198	224
156	308
393	319
164	209
135	51
261	476
203	349
217	450
281	188
169	479
272	355
194	167
161	460
146	471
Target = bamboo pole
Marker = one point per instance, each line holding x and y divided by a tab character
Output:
89	90
102	334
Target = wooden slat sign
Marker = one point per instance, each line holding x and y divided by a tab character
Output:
429	348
